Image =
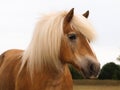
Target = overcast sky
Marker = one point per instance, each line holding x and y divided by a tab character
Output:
18	19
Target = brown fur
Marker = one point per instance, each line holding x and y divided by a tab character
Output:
11	80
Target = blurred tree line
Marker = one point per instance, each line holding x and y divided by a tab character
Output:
108	71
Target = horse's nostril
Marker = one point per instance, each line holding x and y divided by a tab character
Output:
92	68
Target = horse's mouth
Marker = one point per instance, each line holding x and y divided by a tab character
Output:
89	74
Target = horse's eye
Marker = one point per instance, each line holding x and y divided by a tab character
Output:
72	36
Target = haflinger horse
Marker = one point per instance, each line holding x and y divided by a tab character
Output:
59	39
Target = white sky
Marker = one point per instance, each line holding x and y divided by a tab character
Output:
18	18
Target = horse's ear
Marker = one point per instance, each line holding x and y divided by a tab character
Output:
86	14
69	16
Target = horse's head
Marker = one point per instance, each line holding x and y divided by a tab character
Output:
75	45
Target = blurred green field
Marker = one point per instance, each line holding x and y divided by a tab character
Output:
96	85
93	87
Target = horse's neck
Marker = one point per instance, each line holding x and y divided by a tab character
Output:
45	81
55	80
51	73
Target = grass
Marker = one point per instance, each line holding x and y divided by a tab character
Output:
93	87
96	85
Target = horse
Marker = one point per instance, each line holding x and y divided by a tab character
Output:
59	39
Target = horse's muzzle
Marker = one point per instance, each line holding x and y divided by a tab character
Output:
90	68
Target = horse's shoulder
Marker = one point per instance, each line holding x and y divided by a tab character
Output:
9	67
11	54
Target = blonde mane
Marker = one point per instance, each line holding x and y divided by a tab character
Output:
44	47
